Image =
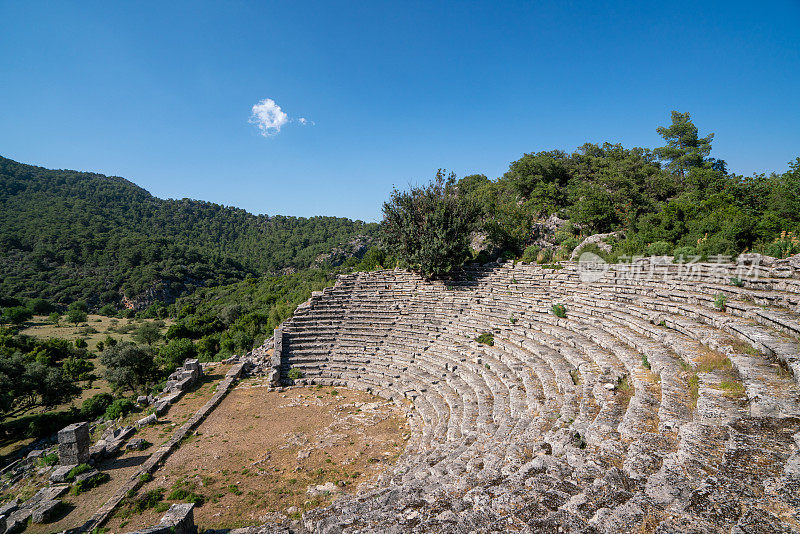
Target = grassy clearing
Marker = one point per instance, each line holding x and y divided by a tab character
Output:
94	330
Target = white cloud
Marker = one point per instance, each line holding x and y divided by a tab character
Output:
269	117
305	122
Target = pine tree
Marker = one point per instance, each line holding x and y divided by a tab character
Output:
684	148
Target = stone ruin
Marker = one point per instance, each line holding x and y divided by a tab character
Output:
179	519
666	400
184	377
73	444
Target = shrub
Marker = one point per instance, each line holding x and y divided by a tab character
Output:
184	494
108	310
144	478
428	228
148	500
295	374
89	483
545	255
147	334
96	405
530	254
81	343
48	460
129	366
41	306
119	408
77	470
54	318
719	301
173	354
76	316
659	248
17	315
684	254
559	310
486	339
569	244
737	282
177	330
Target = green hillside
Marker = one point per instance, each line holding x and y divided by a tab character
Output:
69	235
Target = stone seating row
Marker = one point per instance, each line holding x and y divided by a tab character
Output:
556	405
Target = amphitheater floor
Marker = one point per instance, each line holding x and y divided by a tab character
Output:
262	454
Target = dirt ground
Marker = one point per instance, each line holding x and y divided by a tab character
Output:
80	508
261	453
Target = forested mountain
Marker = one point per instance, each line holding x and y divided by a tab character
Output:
68	235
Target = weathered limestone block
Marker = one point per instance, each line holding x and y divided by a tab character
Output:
162	406
45	511
145	421
179	519
9	508
73	444
193	365
60	474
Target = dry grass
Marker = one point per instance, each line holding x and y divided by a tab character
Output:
693	383
260	451
711	360
743	347
782	370
625	390
40	327
733	389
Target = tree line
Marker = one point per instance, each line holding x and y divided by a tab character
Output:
674	199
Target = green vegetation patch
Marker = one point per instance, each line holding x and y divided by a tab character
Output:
486	339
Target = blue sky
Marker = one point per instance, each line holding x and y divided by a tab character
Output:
161	93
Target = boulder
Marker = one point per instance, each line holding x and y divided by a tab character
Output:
9	508
60	473
45	511
149	420
755	259
137	444
595	239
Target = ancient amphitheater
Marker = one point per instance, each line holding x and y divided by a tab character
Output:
666	400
